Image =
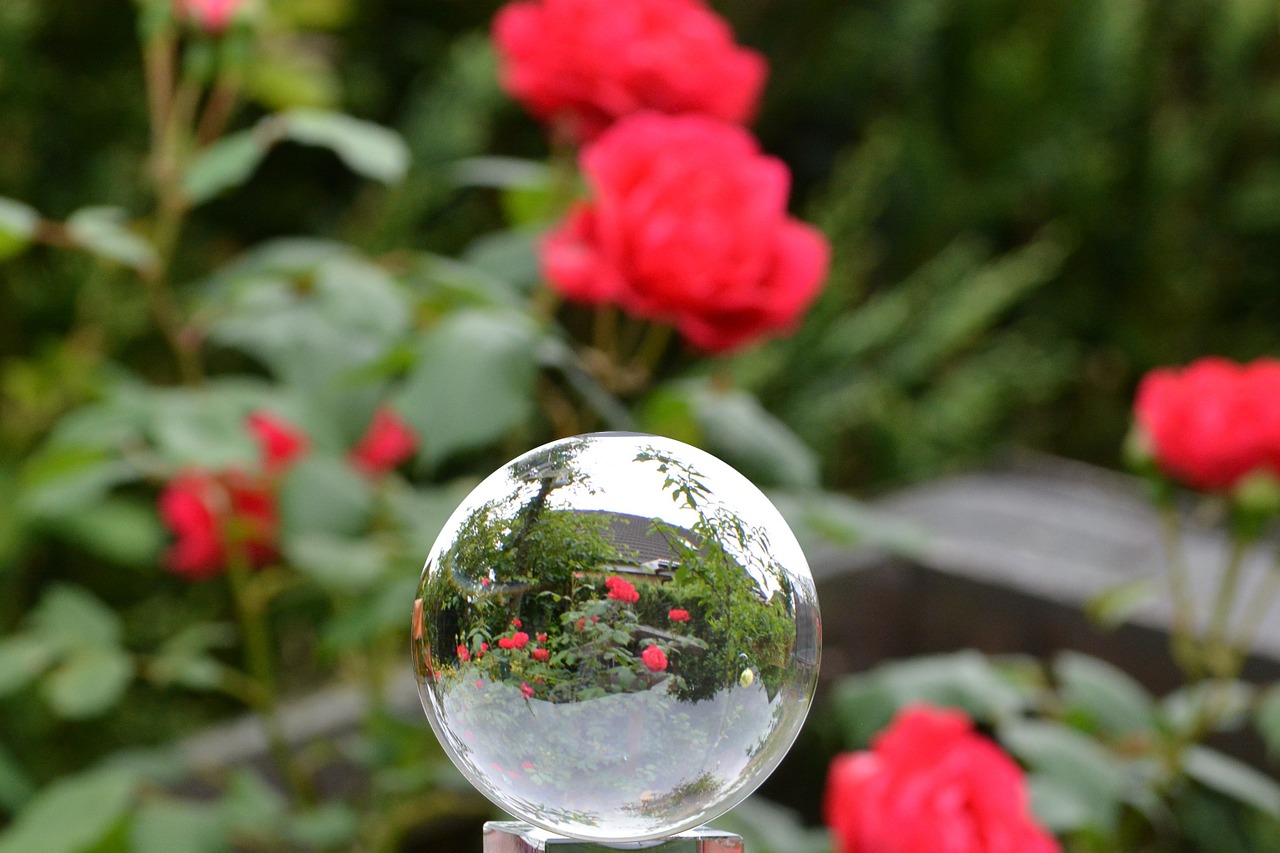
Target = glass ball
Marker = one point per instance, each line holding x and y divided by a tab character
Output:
616	637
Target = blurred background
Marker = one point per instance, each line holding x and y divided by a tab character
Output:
1030	204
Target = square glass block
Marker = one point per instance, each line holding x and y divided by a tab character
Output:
514	837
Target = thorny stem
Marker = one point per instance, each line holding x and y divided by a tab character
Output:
258	662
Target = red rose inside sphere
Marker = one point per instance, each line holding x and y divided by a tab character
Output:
931	783
1213	423
688	225
582	64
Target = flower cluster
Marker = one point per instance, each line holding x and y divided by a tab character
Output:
621	590
1212	424
687	222
931	783
218	516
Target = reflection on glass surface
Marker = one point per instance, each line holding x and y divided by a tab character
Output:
616	637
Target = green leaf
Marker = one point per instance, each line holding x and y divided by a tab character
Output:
172	826
23	658
121	530
965	680
16	785
1116	605
251	805
71	815
104	232
1233	778
324	495
1060	806
1109	698
18	225
338	564
1073	762
70	619
422	513
368	149
863	706
325	826
63	480
473	382
1226	703
1266	717
184	658
227	163
735	426
206	428
89	682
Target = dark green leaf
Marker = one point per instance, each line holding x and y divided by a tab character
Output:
368	149
16	785
121	530
863	706
105	232
226	164
473	382
89	682
1073	762
63	480
71	815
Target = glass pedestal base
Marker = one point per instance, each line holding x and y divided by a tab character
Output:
513	837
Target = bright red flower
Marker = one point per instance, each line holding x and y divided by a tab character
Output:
541	655
654	658
280	442
542	638
1214	422
688	225
212	16
678	615
209	513
582	64
621	590
518	640
517	623
386	443
463	654
931	783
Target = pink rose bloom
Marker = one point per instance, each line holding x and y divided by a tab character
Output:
621	590
654	658
526	690
281	442
1213	423
930	783
688	225
386	443
582	64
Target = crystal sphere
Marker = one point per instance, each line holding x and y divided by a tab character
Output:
616	637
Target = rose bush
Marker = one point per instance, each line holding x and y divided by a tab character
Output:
931	784
1211	424
582	64
688	225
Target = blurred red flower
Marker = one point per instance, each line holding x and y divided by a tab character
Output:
678	615
1212	423
212	16
654	658
931	783
621	590
688	225
541	655
582	64
210	513
464	654
281	442
386	443
526	690
518	640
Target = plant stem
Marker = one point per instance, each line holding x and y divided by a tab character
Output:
1219	656
1186	648
258	663
1259	605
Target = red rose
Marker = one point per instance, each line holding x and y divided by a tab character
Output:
582	64
208	513
212	16
1212	423
931	783
688	225
388	442
621	590
654	658
281	443
526	690
464	654
518	640
541	655
678	615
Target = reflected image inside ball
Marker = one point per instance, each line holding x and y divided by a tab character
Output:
616	637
